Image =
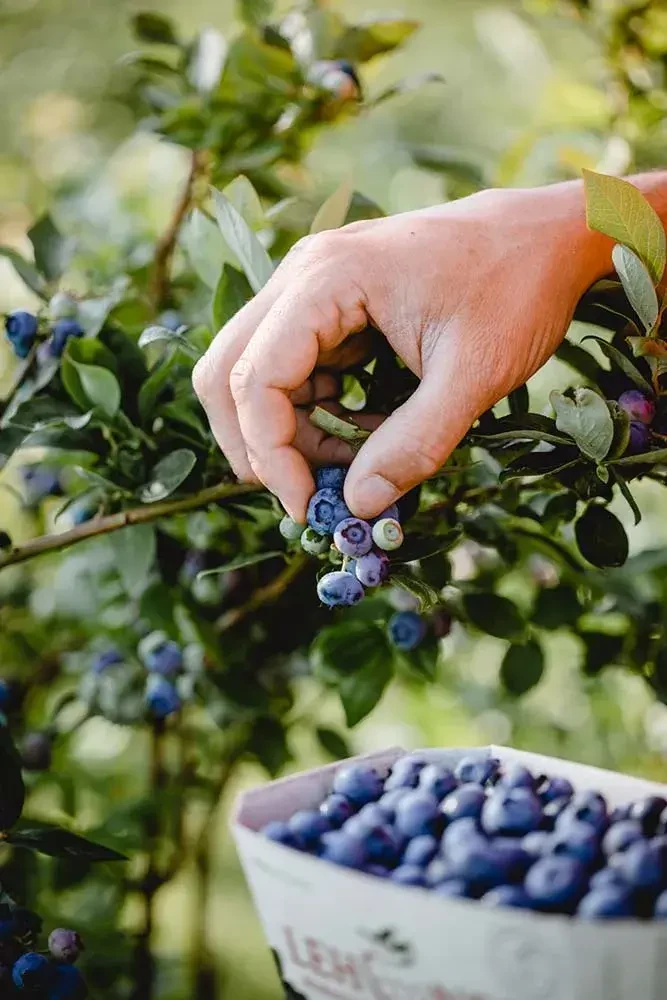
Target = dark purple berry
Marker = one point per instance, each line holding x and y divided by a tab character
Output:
440	622
637	406
372	569
640	439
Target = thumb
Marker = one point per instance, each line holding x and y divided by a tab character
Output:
412	444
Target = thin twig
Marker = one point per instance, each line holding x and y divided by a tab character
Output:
164	250
123	519
265	595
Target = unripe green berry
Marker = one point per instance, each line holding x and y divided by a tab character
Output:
313	543
290	530
388	534
63	306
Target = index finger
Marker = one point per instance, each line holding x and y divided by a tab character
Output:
279	358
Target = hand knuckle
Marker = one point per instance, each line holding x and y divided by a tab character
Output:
241	378
202	378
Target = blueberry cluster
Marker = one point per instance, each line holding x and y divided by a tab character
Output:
27	972
360	547
23	327
497	834
163	659
641	410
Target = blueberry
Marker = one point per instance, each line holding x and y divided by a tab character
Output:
606	877
587	807
331	477
384	844
619	813
644	865
388	534
106	659
418	813
555	788
421	851
437	780
619	836
405	773
36	752
11	695
466	801
81	513
279	833
359	783
577	840
514	812
21	330
552	811
40	482
337	809
453	887
556	883
371	815
165	659
438	871
344	849
162	698
379	871
508	895
306	827
62	305
476	770
61	333
339	589
610	903
440	622
406	630
391	511
68	984
518	776
457	832
325	510
290	530
372	569
640	439
390	800
513	859
32	972
647	812
171	319
476	860
352	537
313	543
65	945
660	912
536	843
637	406
408	875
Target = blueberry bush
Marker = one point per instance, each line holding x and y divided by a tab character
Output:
155	592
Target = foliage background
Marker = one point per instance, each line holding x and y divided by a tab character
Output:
526	101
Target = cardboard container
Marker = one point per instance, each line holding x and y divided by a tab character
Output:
342	935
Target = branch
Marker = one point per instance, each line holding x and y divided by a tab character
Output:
345	430
123	519
265	595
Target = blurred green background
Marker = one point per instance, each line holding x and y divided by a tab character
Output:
524	100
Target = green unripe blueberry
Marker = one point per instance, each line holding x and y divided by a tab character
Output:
388	534
313	543
63	306
290	530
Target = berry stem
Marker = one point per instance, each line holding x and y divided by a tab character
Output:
337	427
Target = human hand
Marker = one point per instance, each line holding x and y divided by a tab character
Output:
474	296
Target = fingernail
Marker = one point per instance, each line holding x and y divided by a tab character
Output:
370	496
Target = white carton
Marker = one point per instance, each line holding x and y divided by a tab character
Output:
342	935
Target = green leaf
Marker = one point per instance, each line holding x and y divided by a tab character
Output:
231	294
243	196
152	27
159	378
243	242
540	463
427	596
579	359
52	250
169	473
205	247
601	537
618	209
621	430
333	744
362	691
26	271
59	843
524	435
519	401
556	606
494	614
157	334
638	285
601	649
407	86
585	418
134	550
239	562
522	667
91	385
657	457
255	12
627	496
12	790
362	42
416	547
625	364
333	213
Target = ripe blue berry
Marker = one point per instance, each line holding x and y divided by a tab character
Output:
647	812
475	860
556	883
104	660
536	843
555	788
383	843
65	945
68	984
339	589
162	698
36	752
466	802
406	630
637	406
372	569
508	895
390	800
40	482
32	972
606	877
290	530
337	809
408	875
587	807
379	871
421	851
171	319
457	832
372	816
514	812
418	813
552	811
21	330
331	477
313	543
518	776
611	903
640	439
279	833
437	780
619	836
165	659
352	537
388	534
325	510
61	333
344	849
306	827
455	888
476	770
577	840
405	773
358	783
644	865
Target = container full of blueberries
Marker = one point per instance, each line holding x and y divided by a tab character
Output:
489	874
